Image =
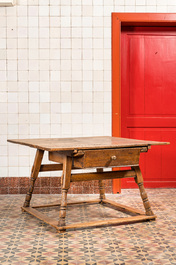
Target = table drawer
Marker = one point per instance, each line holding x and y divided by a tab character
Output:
108	158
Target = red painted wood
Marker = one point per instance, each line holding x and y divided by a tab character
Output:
148	99
116	106
130	19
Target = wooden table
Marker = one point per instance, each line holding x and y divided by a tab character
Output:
89	152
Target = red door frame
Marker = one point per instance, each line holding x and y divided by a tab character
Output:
128	19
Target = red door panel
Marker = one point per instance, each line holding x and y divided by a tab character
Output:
148	99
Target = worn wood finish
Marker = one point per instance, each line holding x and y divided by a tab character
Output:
108	158
34	174
139	181
65	182
41	216
59	156
91	152
68	204
118	206
117	221
123	208
51	167
101	185
105	175
83	143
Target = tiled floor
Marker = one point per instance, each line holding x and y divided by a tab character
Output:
26	240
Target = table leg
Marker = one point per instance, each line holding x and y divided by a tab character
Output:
34	174
101	186
139	181
65	180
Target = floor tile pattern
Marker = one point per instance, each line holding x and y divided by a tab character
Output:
27	240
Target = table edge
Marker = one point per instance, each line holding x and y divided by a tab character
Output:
88	148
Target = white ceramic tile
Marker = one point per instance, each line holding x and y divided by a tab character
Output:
171	2
129	9
45	130
54	32
4	161
141	8
42	21
44	33
66	130
77	54
98	11
12	118
77	97
3	96
108	10
44	54
55	108
76	22
33	11
76	43
54	22
33	32
66	97
12	129
98	118
76	118
162	2
74	2
34	118
151	2
33	43
75	11
3	65
55	130
3	120
66	118
161	8
33	108
76	130
87	54
87	107
33	86
21	22
33	54
151	9
55	118
66	107
3	44
44	11
24	171
45	97
44	118
33	75
54	11
171	9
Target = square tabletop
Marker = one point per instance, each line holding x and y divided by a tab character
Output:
99	142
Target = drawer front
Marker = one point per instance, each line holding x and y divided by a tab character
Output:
108	158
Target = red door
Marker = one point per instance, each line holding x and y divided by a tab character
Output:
148	99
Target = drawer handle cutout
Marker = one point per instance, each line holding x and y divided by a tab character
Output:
113	157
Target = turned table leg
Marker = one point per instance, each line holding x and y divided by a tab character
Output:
65	182
139	181
34	174
101	186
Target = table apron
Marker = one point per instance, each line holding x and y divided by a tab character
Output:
100	158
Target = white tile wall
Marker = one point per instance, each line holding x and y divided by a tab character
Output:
55	71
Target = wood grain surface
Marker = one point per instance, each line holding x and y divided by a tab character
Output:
99	142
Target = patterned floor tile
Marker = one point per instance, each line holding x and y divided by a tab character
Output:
27	240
